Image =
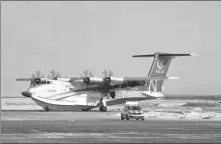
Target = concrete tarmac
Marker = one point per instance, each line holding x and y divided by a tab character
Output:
97	127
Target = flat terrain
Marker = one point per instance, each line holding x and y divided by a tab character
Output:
54	127
171	120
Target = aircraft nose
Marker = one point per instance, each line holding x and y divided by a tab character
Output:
26	94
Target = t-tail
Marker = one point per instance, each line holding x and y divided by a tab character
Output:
159	69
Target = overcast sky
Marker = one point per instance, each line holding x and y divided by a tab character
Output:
72	36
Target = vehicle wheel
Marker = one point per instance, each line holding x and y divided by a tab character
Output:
122	118
128	117
142	118
137	119
85	109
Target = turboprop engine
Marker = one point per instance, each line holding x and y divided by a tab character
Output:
112	80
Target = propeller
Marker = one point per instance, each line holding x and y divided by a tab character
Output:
107	74
54	75
86	74
35	76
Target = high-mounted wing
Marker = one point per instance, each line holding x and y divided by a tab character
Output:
87	79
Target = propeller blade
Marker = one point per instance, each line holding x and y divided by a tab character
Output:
81	76
86	72
58	75
53	73
91	74
110	73
38	73
33	75
105	73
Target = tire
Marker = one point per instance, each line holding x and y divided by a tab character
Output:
128	117
46	109
142	118
85	109
137	118
122	118
100	109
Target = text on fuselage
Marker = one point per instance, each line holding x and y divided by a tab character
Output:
160	71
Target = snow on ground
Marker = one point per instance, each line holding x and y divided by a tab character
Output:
191	113
162	109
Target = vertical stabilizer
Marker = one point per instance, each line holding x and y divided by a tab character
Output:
159	68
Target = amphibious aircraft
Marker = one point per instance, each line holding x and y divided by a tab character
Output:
91	92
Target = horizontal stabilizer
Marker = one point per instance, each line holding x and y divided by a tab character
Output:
148	78
165	54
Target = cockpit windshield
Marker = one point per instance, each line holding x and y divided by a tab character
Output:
45	82
41	82
134	108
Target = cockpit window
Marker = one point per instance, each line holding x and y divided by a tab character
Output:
134	108
40	82
43	82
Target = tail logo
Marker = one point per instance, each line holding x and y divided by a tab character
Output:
160	64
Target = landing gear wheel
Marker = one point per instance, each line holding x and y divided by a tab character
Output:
46	108
103	109
122	118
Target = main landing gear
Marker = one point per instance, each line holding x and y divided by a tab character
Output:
47	109
102	108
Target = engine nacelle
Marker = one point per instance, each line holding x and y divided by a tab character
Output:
38	80
107	79
113	80
87	80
